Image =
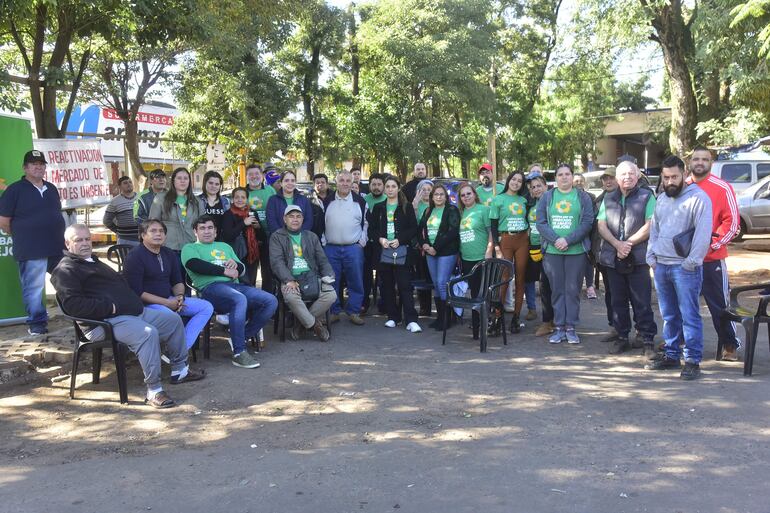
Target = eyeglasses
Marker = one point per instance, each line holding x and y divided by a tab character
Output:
441	194
466	194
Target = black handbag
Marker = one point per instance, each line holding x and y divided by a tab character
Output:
683	242
309	285
395	256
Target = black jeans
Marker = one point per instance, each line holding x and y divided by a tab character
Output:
607	291
267	272
474	284
545	296
401	276
369	266
636	288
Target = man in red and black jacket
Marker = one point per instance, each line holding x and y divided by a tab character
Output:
725	226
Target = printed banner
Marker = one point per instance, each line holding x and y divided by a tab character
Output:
76	167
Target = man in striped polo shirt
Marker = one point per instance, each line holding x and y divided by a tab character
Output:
119	216
725	226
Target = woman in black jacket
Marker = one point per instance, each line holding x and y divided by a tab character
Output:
439	236
393	225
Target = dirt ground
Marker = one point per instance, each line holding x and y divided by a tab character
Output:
381	420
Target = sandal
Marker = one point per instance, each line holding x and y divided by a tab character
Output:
192	375
161	400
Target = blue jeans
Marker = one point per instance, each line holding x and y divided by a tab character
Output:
196	311
531	294
32	278
440	268
248	308
679	301
347	261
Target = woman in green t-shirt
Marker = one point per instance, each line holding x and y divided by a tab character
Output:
420	205
565	216
439	237
476	242
510	232
178	208
392	225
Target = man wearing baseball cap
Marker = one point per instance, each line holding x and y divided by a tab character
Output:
485	190
30	211
294	253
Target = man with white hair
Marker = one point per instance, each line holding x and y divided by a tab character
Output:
91	289
346	236
624	220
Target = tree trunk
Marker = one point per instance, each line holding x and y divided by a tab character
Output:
674	37
308	88
132	148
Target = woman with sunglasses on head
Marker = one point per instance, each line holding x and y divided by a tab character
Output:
392	226
439	238
510	231
214	204
476	242
565	216
420	204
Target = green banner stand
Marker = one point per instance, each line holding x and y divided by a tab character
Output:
15	141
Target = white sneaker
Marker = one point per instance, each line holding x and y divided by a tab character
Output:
224	320
413	327
390	324
165	359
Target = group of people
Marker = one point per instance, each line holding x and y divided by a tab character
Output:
310	249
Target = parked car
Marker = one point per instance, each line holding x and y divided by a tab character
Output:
754	208
741	174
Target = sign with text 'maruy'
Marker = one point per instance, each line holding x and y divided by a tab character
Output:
76	167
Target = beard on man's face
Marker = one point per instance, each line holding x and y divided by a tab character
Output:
672	191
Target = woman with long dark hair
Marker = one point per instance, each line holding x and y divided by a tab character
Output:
510	232
214	204
476	243
178	208
288	195
393	225
565	216
439	238
240	229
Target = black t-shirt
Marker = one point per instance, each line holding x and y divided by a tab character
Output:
37	224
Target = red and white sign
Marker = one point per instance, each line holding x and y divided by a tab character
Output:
76	167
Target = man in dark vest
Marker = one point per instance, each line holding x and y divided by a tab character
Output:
624	220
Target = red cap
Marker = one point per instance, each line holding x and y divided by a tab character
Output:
487	166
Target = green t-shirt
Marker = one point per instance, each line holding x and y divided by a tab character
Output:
534	235
511	212
390	213
564	218
371	201
485	197
289	200
421	208
258	203
474	233
214	253
434	221
181	200
649	209
300	264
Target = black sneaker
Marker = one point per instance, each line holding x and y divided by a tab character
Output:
619	345
690	372
649	351
663	363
